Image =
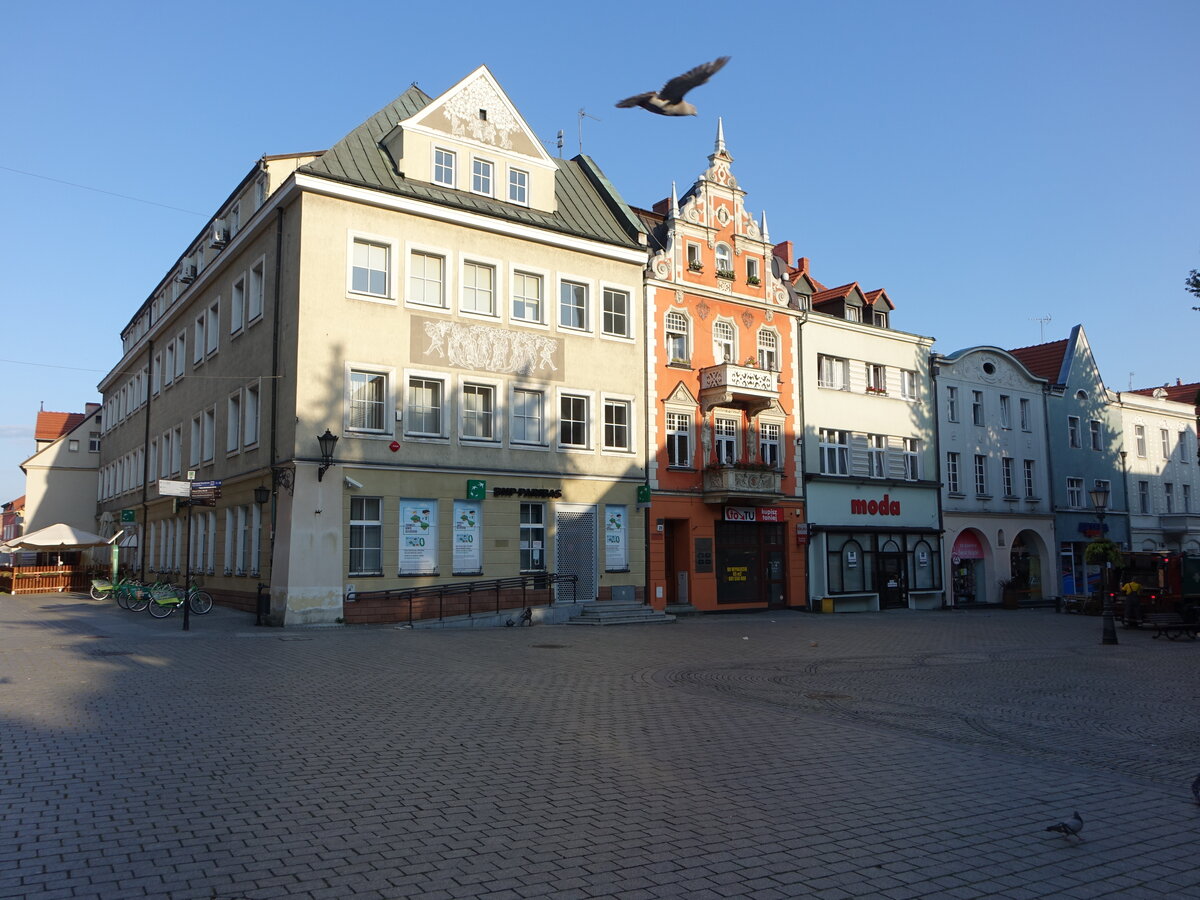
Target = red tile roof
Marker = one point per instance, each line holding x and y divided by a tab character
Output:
1180	393
837	293
53	425
1043	360
872	296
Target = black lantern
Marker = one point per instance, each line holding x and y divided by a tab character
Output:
261	495
328	441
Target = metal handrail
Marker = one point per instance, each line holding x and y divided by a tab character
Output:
493	586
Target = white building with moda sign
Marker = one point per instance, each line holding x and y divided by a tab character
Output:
869	455
996	499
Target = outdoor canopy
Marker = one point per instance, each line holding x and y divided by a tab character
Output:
56	537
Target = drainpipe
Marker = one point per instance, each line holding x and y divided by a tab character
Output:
145	529
276	301
937	469
1050	482
800	453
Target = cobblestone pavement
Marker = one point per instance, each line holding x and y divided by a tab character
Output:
887	755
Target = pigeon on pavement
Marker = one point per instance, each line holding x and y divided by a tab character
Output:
669	101
1069	829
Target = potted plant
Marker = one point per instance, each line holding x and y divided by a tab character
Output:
695	265
752	279
725	273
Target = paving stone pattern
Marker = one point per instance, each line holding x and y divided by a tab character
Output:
889	755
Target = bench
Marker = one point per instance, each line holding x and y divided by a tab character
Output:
1171	626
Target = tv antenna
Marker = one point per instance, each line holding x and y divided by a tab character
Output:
1043	320
582	114
558	142
1131	374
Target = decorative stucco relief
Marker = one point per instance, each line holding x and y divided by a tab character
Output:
463	112
487	348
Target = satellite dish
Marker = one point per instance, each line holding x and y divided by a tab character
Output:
780	270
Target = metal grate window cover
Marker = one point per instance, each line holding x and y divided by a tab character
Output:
575	550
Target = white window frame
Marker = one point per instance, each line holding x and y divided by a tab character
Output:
198	339
953	486
1029	469
770	442
951	403
1005	411
671	333
1139	436
208	434
767	340
1096	434
518	186
443	412
214	328
493	418
589	288
376	241
981	475
1074	435
877	446
442	160
727	438
722	253
908	384
1164	436
237	304
833	373
256	293
466	267
1006	476
447	283
483	177
877	379
526	273
834	450
589	405
387	410
1074	492
233	423
626	315
680	427
725	341
194	441
523	442
978	413
251	413
618	401
365	523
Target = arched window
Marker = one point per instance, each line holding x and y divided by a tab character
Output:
724	342
768	350
724	260
676	338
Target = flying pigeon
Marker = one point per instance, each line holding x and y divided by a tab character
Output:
1069	829
669	101
1196	788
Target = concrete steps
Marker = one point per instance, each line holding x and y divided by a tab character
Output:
616	612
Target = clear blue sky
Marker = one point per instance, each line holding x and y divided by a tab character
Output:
989	164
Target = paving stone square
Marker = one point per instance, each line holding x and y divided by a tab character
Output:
781	754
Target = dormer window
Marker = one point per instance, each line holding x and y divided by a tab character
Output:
481	177
443	167
724	260
518	187
752	276
880	319
853	313
693	257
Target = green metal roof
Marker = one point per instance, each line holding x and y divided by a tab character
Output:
588	205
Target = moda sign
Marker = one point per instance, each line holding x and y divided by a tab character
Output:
884	506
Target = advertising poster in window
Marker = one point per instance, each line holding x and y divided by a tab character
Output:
616	554
418	537
468	537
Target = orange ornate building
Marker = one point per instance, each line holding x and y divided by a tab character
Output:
727	525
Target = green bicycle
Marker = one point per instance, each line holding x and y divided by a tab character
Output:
165	598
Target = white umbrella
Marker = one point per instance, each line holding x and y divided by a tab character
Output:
56	537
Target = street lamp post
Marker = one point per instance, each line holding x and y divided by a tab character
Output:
1100	502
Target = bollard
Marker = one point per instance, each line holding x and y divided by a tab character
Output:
262	605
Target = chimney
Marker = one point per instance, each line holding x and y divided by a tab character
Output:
802	265
784	250
662	207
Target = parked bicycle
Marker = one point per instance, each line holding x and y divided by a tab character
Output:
165	598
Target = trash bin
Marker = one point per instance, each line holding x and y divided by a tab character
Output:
262	605
826	604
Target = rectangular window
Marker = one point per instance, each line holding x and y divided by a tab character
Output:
768	350
1169	496
725	431
257	291
877	455
481	177
527	417
616	425
616	313
1005	411
533	537
572	421
1165	438
1006	473
1187	498
912	459
835	451
908	384
176	449
724	342
366	536
1074	439
237	305
369	268
977	407
573	305
368	396
1030	480
952	404
833	372
250	414
876	379
208	435
214	328
1096	432
426	279
679	440
1183	444
478	289
1075	493
981	485
518	187
676	338
1144	497
443	167
769	444
424	415
233	426
198	343
527	297
952	482
1139	434
1026	415
478	412
693	256
853	314
194	443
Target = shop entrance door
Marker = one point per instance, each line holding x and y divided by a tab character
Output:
750	563
890	577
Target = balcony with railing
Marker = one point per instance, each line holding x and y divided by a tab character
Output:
724	483
741	387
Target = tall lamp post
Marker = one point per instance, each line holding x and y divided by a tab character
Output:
1100	502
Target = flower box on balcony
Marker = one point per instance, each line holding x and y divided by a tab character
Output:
753	279
696	266
882	392
725	273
